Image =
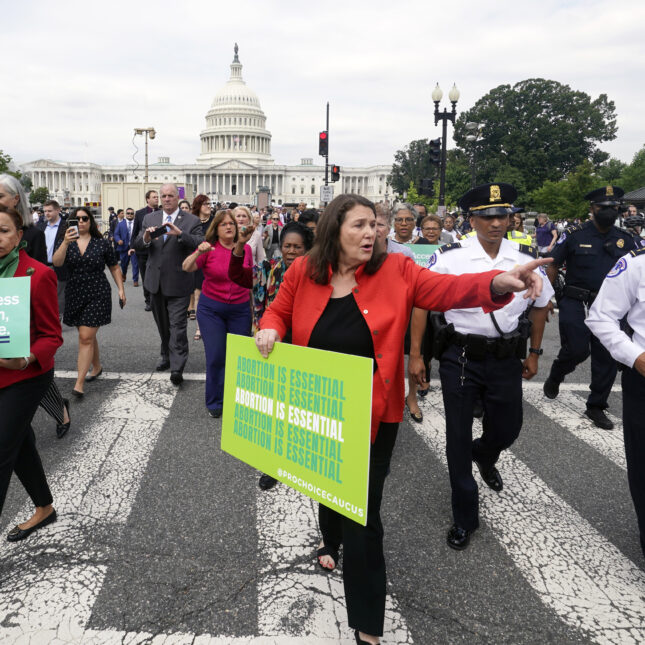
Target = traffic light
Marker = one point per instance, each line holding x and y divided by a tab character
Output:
435	151
323	144
427	188
335	173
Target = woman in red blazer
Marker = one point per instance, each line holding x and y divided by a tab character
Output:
25	379
347	295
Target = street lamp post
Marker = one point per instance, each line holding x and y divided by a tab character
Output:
475	130
445	116
146	131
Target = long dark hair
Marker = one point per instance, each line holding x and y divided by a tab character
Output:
326	250
94	229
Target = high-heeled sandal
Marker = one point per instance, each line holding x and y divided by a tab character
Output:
62	428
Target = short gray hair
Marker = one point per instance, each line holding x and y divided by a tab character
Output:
14	187
404	206
384	211
169	183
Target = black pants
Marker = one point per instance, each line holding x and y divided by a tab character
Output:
363	559
142	258
498	383
577	343
170	316
18	404
633	396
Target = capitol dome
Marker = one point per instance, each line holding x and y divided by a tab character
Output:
235	124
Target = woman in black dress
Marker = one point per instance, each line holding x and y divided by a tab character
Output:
88	297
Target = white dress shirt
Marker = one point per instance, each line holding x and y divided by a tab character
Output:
470	257
622	292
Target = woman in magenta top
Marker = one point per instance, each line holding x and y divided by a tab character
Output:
224	307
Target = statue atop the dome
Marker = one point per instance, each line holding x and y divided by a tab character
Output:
236	49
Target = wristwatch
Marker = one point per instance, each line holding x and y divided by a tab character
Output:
539	352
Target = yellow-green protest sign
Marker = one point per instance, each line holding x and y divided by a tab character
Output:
302	416
14	317
422	252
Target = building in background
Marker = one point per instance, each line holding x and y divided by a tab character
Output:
235	163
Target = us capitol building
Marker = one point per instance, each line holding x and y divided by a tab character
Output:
234	164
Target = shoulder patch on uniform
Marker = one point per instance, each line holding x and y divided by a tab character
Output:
449	247
639	251
573	229
529	250
619	267
433	260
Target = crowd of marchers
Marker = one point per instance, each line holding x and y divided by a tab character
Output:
343	279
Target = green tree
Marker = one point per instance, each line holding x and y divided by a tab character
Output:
5	165
565	198
457	176
633	176
411	165
39	195
538	128
26	182
611	171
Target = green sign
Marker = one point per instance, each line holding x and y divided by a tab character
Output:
422	252
14	317
302	416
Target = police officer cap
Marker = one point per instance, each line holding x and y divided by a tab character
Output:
489	200
605	196
517	209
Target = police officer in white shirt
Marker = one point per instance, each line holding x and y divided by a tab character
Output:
623	292
481	354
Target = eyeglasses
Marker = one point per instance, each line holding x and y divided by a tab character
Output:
130	213
83	218
401	220
275	219
430	228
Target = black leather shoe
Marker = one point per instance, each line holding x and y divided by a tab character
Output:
93	377
176	378
599	418
266	482
77	394
16	534
491	476
163	365
458	538
147	307
551	388
215	414
62	428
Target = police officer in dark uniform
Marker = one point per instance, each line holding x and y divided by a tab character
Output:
589	250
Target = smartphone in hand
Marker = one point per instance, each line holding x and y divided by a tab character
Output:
73	225
121	303
161	230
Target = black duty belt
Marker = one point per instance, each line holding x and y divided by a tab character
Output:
478	347
583	295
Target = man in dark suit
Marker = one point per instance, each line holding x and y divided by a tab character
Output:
152	201
54	228
122	238
169	286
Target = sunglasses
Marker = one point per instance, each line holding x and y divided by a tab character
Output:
83	218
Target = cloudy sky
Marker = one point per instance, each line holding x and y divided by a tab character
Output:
78	77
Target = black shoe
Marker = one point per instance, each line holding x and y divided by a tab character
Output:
478	409
147	307
415	417
359	640
551	388
93	377
62	428
163	365
266	482
458	538
77	394
215	414
176	378
491	476
423	392
600	419
16	534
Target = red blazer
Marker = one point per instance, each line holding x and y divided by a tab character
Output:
45	332
385	299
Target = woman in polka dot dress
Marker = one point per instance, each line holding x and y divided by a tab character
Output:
88	297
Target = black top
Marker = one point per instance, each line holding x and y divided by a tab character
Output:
422	240
342	328
276	236
590	254
36	244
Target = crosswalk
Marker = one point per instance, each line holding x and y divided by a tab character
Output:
50	585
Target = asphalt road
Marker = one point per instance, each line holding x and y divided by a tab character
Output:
163	538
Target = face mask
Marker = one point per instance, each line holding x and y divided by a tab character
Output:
605	217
